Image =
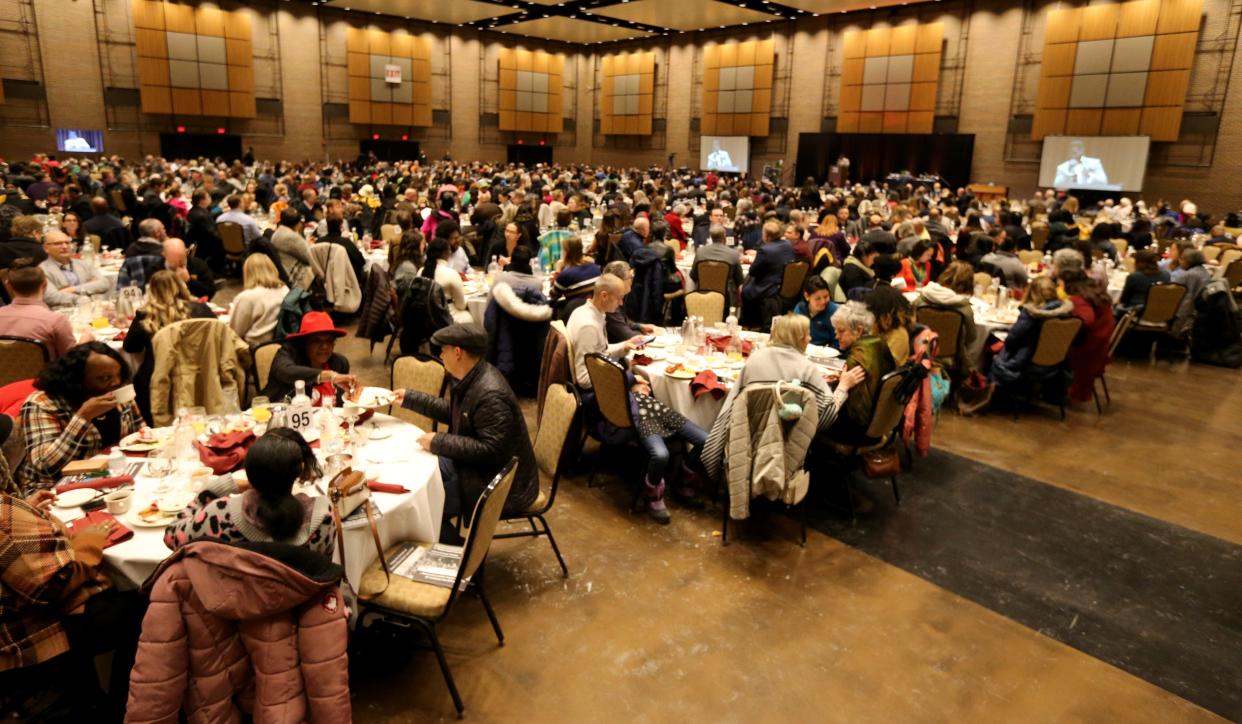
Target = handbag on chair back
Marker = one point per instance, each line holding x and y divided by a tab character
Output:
348	492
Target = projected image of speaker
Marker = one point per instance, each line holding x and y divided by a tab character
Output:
73	140
1095	163
725	153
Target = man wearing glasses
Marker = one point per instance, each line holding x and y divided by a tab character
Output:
68	279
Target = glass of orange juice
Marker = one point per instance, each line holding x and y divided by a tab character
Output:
198	418
261	409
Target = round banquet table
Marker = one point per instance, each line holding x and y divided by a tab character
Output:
414	515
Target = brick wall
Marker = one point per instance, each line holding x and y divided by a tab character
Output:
994	30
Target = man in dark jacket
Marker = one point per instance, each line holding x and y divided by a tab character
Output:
485	428
202	231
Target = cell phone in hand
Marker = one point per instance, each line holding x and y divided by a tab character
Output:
648	340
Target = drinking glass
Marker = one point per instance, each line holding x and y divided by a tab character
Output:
261	409
197	416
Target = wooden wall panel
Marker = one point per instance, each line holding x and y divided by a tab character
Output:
153	20
919	44
642	66
1172	26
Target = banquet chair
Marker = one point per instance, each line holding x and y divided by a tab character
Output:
947	324
1119	331
1159	311
233	241
792	280
1121	245
390	233
708	305
21	358
983	279
1210	252
1039	236
887	413
400	600
556	425
1030	257
1233	275
424	374
1056	337
118	201
261	364
1228	257
612	397
95	241
713	277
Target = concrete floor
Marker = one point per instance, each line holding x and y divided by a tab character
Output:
663	623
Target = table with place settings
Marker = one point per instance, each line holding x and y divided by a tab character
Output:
390	454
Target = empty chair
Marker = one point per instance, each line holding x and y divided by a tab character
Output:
708	305
1119	331
557	422
263	356
791	283
947	324
233	240
21	358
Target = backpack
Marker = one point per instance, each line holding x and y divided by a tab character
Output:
424	312
289	320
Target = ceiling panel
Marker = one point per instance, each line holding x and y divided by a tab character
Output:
684	14
570	30
441	11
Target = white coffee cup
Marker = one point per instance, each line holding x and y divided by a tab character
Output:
124	395
118	501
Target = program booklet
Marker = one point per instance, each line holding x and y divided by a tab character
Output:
436	565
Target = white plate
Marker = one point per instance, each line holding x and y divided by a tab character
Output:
814	351
134	443
373	397
380	432
76	498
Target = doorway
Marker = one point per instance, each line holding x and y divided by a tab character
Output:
529	155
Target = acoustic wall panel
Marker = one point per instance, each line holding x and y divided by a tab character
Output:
531	90
389	77
888	83
737	88
627	94
193	61
1130	59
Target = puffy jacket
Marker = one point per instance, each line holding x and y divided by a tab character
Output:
331	264
253	628
194	361
1023	338
517	323
485	431
377	303
764	455
424	311
645	302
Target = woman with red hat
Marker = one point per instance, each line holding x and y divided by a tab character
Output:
310	356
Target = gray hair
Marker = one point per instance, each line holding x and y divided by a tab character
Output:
1192	258
1067	258
904	229
717	234
853	315
679	209
744	205
618	269
149	228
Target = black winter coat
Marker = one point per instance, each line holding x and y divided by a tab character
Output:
485	431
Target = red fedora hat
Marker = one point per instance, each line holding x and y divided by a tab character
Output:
317	323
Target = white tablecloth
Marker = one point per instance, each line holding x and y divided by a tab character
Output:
409	516
675	392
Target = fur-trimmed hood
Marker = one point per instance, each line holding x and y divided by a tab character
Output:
515	307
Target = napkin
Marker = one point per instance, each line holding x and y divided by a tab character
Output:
221	312
120	336
119	533
225	451
721	344
705	382
378	487
97	483
642	359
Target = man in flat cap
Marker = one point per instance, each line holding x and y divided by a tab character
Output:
485	428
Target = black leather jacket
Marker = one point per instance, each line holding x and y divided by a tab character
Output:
486	430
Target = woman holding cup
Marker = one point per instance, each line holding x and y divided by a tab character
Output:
83	404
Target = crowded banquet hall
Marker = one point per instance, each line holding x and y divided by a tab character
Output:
412	360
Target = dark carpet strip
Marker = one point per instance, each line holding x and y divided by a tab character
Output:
1159	601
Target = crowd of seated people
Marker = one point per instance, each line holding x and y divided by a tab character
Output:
603	239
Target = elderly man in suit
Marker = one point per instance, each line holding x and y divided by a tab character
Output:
68	279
